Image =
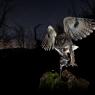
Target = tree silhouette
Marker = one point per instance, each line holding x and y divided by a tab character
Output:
5	8
38	42
90	13
20	31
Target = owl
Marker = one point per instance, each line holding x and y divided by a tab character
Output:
74	28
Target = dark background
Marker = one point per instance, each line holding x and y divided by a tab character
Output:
22	68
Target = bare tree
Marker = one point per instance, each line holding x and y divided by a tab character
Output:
20	31
35	34
90	12
73	8
90	5
5	8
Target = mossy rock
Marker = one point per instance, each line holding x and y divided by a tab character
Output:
50	80
68	82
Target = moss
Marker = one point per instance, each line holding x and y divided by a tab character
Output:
49	80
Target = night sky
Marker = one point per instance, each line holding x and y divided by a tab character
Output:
32	12
48	12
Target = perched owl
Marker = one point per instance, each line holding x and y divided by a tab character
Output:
74	29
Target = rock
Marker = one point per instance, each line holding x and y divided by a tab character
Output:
73	82
68	82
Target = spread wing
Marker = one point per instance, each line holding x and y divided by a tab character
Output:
49	40
78	28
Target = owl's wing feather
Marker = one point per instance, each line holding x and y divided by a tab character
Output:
78	28
49	39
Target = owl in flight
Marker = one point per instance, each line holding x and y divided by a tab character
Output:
74	29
